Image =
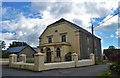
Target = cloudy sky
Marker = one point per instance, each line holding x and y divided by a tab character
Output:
25	21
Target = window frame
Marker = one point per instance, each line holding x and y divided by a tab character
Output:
58	52
88	40
49	40
63	38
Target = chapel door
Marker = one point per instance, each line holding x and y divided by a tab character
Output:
48	55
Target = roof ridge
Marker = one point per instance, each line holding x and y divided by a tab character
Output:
72	24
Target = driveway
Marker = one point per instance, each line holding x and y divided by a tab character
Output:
95	70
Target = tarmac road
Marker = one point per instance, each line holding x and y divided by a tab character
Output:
95	70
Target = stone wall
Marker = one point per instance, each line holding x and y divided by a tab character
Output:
4	61
39	64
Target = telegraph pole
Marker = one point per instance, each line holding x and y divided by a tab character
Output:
93	39
93	43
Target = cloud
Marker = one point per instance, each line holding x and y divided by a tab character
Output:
7	35
29	29
25	29
9	13
108	25
96	9
81	10
77	21
8	25
118	33
40	6
109	36
60	8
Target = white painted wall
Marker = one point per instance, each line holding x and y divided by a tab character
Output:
39	64
48	66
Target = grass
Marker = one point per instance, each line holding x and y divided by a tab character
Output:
105	74
29	61
100	62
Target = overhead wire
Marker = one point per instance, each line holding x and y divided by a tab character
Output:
109	18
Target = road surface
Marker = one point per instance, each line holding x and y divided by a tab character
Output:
95	70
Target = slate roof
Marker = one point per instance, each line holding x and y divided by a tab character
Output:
16	49
36	49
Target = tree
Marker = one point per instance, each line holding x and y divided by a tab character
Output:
15	44
2	44
68	56
111	47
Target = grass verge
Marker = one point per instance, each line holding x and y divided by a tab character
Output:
105	74
101	62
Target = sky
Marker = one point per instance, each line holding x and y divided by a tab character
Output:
25	21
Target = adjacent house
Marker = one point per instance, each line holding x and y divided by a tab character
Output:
36	49
64	37
111	53
28	50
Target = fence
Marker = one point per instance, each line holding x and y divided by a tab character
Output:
39	64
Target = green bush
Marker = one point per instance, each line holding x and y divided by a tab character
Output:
113	55
5	55
68	56
100	62
115	68
105	74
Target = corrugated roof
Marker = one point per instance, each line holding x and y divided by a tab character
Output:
16	49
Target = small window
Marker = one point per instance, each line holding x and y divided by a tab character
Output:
56	30
42	51
63	38
58	52
95	42
88	41
49	40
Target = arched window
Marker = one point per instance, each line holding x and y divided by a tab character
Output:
58	52
48	50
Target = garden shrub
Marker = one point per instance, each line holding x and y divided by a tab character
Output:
68	56
115	68
113	55
5	54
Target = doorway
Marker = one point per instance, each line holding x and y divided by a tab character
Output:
48	55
